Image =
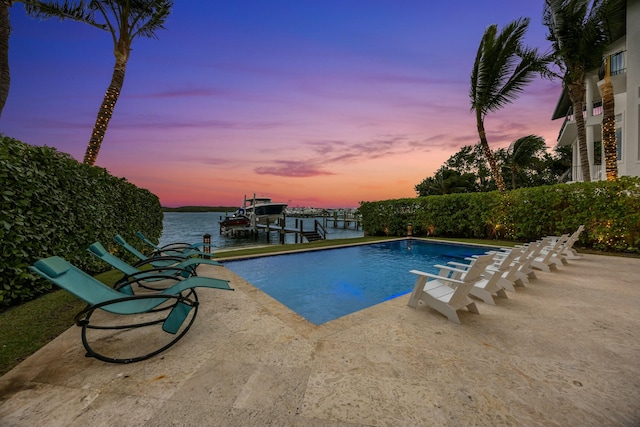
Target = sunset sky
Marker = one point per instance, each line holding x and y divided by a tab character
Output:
322	103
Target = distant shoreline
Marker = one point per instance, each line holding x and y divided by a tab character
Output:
201	209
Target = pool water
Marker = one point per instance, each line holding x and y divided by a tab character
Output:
324	285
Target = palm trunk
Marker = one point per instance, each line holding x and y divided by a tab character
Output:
576	94
5	32
609	127
488	154
106	110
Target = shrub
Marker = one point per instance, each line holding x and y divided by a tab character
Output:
50	204
610	212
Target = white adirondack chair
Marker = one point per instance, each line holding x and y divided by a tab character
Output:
566	249
499	276
445	293
549	257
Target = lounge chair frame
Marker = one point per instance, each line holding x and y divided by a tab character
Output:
173	304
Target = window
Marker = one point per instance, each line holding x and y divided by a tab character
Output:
617	63
597	153
619	142
619	135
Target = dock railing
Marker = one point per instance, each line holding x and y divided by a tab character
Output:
318	227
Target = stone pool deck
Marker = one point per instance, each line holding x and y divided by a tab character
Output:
563	351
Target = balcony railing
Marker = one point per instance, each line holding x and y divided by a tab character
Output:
596	110
576	173
617	65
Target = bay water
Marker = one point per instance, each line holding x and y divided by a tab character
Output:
190	227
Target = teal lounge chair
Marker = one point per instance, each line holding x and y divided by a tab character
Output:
173	247
177	249
179	269
158	259
169	309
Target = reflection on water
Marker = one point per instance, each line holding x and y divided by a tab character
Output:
189	227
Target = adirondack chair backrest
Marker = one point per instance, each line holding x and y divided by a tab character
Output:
555	248
507	260
533	250
477	268
574	237
473	275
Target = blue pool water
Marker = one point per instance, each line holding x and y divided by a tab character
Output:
326	284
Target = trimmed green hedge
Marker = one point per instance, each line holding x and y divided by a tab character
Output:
50	204
610	212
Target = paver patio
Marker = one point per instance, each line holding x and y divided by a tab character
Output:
563	351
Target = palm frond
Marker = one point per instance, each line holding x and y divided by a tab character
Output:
503	67
75	10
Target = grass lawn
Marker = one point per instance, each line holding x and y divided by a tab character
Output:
29	326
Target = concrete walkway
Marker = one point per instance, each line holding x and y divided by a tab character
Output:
563	351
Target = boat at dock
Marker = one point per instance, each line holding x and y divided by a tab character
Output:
234	222
263	209
253	212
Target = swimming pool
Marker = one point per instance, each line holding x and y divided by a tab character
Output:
326	284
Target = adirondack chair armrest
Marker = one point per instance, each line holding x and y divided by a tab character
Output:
435	276
459	264
449	268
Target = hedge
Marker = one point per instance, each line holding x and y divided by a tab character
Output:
51	204
610	212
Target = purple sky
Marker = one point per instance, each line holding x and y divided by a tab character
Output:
317	103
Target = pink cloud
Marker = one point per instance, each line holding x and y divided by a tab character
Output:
292	169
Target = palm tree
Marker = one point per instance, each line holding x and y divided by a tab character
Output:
522	154
578	42
609	144
447	181
613	16
503	66
125	20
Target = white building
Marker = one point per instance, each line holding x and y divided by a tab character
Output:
624	56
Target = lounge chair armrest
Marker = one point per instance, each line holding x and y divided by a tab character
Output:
159	272
166	253
197	246
92	307
174	246
129	280
159	258
184	254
